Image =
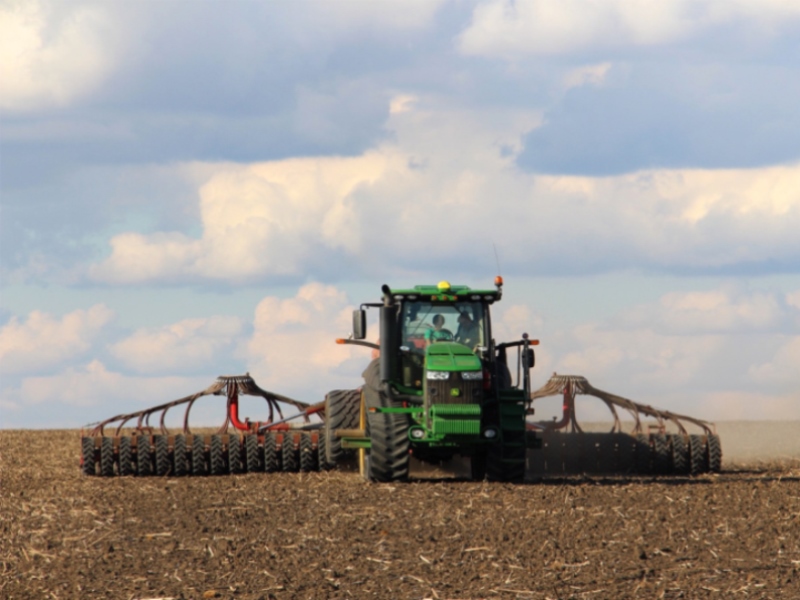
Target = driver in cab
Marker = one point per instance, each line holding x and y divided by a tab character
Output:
438	333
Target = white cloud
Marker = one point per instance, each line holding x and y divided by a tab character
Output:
783	369
42	341
293	350
688	351
93	392
512	30
48	59
395	15
587	75
443	177
717	311
402	103
263	219
185	345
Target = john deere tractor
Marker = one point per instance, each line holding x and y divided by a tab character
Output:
441	386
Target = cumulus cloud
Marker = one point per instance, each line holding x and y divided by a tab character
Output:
50	56
445	176
674	360
289	348
42	341
187	345
783	369
716	311
263	219
91	392
293	350
542	27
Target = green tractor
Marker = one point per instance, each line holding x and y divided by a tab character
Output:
440	386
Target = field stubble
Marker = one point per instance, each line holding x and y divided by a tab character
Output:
330	535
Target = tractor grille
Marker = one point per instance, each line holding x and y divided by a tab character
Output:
469	392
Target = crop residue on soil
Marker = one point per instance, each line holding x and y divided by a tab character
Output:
330	535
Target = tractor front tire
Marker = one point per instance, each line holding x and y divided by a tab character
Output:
389	452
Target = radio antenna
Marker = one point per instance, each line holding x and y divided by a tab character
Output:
496	258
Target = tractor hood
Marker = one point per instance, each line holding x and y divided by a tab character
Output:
451	356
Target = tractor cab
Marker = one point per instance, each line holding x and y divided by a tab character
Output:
428	333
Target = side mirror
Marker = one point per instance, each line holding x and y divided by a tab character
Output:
359	324
528	358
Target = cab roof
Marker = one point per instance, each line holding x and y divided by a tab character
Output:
445	292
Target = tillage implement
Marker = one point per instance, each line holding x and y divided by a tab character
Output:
438	387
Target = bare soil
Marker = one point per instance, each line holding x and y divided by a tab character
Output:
331	535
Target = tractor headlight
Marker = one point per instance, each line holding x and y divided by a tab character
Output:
490	433
417	433
438	375
472	375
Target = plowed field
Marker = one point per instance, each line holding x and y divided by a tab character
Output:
330	535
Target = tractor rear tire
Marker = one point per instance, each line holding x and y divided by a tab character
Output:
144	459
253	454
342	409
290	454
714	453
389	451
163	467
272	460
179	456
477	466
87	456
125	457
199	456
235	455
216	458
506	458
308	456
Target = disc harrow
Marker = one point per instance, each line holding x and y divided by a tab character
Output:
662	446
129	445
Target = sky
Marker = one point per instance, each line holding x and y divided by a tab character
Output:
197	188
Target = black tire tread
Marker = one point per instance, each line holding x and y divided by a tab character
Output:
199	456
107	457
308	457
680	454
506	458
179	456
342	409
87	456
253	454
389	443
662	455
235	462
290	458
125	457
144	457
163	466
272	460
216	457
697	452
714	453
322	451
